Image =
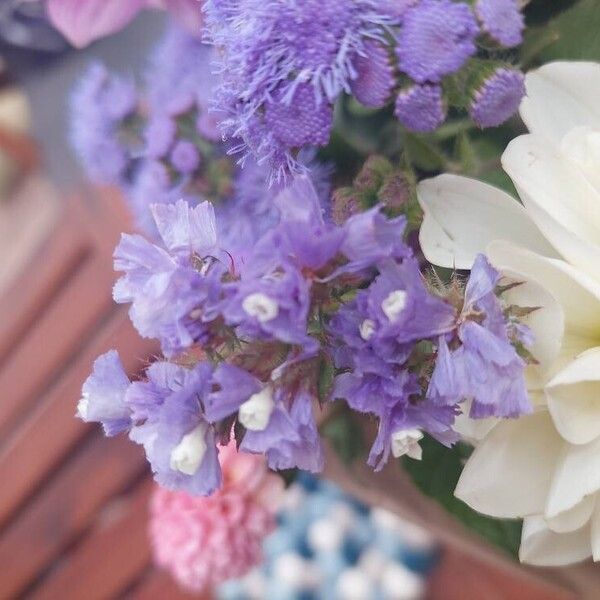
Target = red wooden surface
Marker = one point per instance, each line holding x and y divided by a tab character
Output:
73	510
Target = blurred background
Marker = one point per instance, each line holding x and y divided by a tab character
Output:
73	506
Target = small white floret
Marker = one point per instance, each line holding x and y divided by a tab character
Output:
367	329
394	304
187	456
407	442
261	307
254	414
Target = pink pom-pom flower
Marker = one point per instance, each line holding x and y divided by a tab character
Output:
203	541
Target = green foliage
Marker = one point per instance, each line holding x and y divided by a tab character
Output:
573	34
344	434
436	476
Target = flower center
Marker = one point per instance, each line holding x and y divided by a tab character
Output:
254	414
394	304
261	307
187	456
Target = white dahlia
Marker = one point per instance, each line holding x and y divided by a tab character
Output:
544	467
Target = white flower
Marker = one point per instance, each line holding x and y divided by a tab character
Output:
254	414
544	467
187	456
406	442
260	306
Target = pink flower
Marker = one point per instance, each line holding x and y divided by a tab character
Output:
203	541
83	21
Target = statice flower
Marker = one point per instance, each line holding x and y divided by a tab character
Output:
437	37
103	395
502	20
99	105
421	108
174	287
480	362
498	97
277	54
179	442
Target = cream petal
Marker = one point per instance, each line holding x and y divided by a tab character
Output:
473	430
462	215
509	473
596	531
573	397
559	198
543	547
575	518
578	294
547	323
561	96
577	475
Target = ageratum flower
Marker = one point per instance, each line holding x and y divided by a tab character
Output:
436	39
99	104
421	107
498	97
502	20
544	466
284	61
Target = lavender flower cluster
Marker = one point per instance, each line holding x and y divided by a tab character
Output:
257	342
283	64
159	142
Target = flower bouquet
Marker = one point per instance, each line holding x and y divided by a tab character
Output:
357	212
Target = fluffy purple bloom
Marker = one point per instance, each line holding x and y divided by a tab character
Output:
173	289
103	395
485	367
159	135
185	157
179	77
374	75
421	107
436	39
99	105
299	120
269	50
498	97
502	20
180	444
291	439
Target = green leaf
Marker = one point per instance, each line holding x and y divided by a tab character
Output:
574	35
325	378
436	475
423	154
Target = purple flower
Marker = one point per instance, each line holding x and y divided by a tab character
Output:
291	439
400	430
421	107
103	395
179	77
401	308
502	20
269	50
180	444
159	135
185	157
436	39
299	120
173	289
99	104
371	237
485	367
498	97
269	305
374	79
